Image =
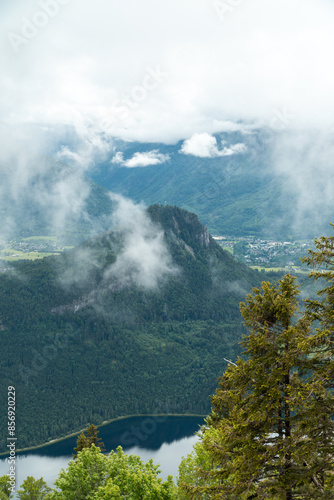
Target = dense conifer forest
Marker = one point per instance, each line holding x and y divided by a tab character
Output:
82	348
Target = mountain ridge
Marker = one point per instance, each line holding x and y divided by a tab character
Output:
240	194
130	346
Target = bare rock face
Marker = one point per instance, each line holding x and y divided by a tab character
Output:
204	237
201	233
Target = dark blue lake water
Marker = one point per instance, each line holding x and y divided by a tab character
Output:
165	439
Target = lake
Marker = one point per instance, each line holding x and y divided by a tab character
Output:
164	438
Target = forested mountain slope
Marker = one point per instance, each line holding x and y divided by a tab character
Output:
234	194
90	335
252	192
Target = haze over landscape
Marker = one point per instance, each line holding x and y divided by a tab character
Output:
77	78
154	157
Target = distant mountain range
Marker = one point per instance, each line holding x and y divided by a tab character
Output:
236	194
134	321
233	187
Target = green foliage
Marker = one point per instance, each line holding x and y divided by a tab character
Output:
270	434
195	471
33	489
109	346
322	262
135	479
240	248
118	476
5	491
83	476
86	439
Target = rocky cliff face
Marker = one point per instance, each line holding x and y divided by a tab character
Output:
185	225
197	261
204	237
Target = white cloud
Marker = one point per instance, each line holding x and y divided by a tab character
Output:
144	259
118	158
32	183
234	149
87	73
257	59
205	146
305	162
141	159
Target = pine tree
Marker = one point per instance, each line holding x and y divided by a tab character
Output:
322	262
270	434
87	438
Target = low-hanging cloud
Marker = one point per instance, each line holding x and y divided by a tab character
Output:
256	60
140	258
205	146
139	254
144	259
39	192
144	159
304	162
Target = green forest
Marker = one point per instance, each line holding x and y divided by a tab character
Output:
270	431
82	349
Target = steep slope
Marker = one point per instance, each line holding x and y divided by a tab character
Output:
232	194
238	194
86	340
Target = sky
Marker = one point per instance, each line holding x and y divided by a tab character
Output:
163	71
154	71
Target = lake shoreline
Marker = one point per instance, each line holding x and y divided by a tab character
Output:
106	422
